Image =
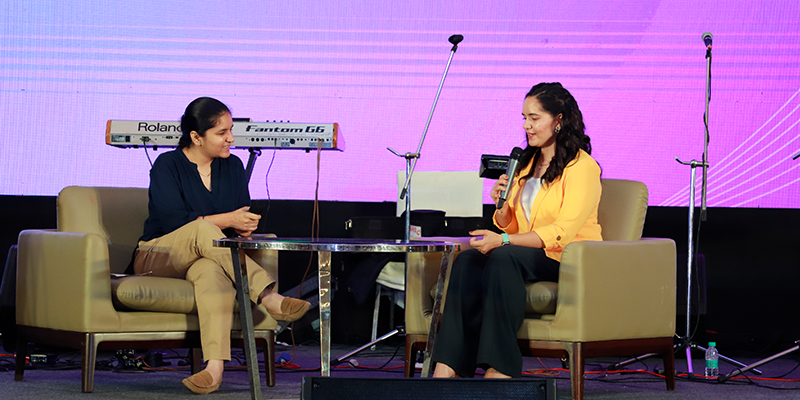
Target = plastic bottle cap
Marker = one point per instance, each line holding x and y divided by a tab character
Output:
712	344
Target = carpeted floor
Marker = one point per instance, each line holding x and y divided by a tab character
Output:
62	380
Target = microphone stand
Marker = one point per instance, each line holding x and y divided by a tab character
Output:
686	343
411	158
406	192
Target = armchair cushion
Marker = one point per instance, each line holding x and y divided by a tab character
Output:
393	275
151	293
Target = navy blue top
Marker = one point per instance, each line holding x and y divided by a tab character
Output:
177	194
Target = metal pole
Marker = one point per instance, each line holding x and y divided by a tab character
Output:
407	190
706	138
246	316
689	258
324	262
724	378
251	161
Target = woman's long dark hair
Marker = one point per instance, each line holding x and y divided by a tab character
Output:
569	140
201	115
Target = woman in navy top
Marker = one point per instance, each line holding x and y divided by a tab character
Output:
199	193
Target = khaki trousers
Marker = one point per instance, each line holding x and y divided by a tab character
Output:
188	253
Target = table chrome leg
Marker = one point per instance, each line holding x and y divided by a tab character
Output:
325	311
246	316
436	317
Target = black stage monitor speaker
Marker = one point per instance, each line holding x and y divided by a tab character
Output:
330	388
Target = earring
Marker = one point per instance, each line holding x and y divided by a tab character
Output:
558	128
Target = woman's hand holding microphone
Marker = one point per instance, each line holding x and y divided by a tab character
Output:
500	186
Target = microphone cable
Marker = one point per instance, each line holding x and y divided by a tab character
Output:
314	235
266	179
145	139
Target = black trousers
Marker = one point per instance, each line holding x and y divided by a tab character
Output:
485	307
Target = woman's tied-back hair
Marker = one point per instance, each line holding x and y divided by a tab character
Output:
201	115
569	140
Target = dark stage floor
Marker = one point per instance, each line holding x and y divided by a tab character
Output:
63	380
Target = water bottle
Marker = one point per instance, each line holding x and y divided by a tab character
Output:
712	361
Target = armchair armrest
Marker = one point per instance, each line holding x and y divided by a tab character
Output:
616	290
63	282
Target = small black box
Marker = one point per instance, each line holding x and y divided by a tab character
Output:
376	227
493	166
462	226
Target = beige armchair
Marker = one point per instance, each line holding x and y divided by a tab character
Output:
67	297
613	298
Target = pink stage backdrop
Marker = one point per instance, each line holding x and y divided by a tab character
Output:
637	69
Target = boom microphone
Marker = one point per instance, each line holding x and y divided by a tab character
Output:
707	38
513	163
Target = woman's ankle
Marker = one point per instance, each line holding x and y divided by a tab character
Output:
444	371
271	300
215	368
492	373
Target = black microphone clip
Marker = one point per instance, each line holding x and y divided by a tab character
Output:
455	40
707	40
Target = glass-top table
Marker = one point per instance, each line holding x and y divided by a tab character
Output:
324	247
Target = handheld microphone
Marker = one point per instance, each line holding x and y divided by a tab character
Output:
513	163
707	38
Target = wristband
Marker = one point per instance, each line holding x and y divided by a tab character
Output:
506	241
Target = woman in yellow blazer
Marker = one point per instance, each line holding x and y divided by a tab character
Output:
552	202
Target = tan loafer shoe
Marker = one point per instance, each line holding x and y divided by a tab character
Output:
201	383
291	309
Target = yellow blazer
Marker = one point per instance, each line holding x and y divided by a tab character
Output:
563	211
